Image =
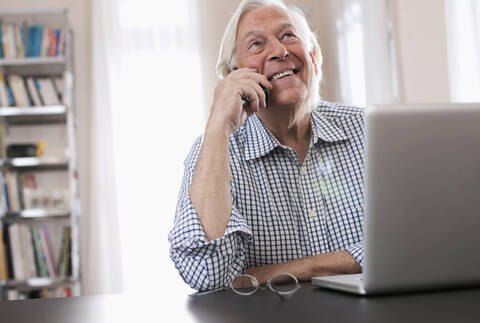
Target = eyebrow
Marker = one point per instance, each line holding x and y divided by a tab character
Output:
280	28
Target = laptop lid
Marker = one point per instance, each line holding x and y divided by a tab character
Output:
422	224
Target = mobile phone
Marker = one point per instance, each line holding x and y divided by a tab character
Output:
265	90
267	96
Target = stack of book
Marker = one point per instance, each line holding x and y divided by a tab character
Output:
26	252
19	91
20	192
30	41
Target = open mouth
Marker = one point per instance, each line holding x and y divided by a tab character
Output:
282	74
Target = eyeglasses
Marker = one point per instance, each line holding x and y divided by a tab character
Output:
284	285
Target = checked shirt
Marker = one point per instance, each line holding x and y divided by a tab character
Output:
282	209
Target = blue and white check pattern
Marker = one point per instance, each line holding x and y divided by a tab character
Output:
282	209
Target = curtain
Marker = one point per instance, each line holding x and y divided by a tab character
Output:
148	111
463	42
100	256
365	53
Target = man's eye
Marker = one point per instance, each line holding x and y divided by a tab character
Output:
255	44
288	35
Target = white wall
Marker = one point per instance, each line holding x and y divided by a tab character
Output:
79	17
421	49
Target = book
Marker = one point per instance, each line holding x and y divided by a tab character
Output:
4	32
52	46
3	201
31	34
8	252
44	41
61	256
59	86
7	206
11	101
18	41
8	41
61	43
64	261
1	43
13	231
13	190
4	101
19	90
32	89
3	259
23	33
42	270
47	91
28	255
46	248
32	40
12	41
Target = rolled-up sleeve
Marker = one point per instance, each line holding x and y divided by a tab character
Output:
203	264
357	252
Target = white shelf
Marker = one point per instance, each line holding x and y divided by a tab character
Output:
37	283
33	111
32	61
41	12
37	214
22	162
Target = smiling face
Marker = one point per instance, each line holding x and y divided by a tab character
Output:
268	41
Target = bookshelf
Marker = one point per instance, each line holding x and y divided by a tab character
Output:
39	196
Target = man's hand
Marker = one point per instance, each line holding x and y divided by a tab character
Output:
210	190
327	264
228	108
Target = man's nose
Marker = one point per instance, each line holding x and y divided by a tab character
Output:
277	50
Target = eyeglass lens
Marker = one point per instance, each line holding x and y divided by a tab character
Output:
245	285
283	283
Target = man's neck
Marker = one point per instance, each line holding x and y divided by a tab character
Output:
290	126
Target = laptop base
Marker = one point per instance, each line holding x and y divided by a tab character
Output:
345	283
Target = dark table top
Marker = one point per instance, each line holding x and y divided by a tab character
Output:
309	304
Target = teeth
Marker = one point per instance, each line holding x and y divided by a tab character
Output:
282	74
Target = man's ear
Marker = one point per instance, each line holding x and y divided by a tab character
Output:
313	56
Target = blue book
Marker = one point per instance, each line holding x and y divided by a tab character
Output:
5	190
39	40
34	40
56	32
11	101
30	40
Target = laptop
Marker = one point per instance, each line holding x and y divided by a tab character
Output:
422	200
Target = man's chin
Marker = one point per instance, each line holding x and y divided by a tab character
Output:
290	102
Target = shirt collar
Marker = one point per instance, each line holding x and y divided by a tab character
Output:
325	129
260	141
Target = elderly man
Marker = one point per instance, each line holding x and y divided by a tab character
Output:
271	188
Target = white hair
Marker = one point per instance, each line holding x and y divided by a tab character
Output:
226	57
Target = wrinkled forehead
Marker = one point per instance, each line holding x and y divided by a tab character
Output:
262	20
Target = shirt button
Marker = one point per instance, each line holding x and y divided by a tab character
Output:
303	170
312	213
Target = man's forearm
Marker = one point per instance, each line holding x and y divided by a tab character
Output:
327	264
210	189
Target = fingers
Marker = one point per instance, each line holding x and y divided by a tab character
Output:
251	73
254	93
249	90
249	80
